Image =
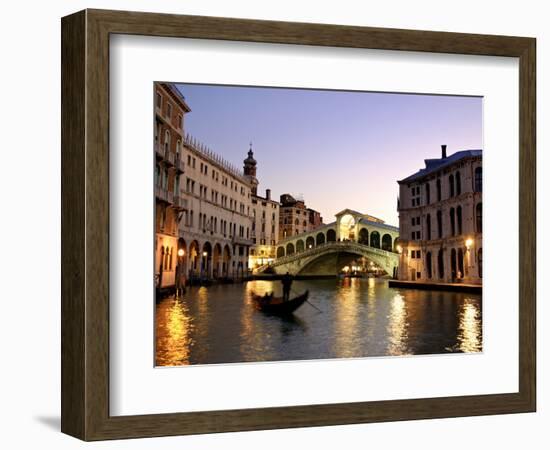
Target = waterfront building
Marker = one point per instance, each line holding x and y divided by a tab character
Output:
265	219
314	218
295	218
441	220
170	109
215	231
265	230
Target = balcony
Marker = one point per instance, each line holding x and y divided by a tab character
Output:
179	164
159	150
169	157
165	154
180	203
161	194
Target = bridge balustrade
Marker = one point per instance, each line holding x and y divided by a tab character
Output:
350	245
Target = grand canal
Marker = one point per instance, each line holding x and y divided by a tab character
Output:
359	318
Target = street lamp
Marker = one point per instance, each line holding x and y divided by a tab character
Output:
205	264
469	242
179	268
399	249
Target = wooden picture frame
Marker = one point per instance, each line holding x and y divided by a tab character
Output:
85	224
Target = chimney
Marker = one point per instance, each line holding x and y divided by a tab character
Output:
443	151
268	194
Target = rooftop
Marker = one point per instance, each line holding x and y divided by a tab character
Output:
433	165
357	213
177	95
194	144
379	224
264	199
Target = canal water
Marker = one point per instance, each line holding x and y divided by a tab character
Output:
359	318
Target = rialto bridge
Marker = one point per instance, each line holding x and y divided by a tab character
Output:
327	249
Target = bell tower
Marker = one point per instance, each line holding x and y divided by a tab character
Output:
250	170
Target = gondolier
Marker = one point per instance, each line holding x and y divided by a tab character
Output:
287	284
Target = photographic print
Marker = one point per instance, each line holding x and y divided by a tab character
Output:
303	224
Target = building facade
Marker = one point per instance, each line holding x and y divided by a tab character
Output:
170	109
265	218
441	220
265	230
315	219
295	218
215	231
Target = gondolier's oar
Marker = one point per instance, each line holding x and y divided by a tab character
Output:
307	301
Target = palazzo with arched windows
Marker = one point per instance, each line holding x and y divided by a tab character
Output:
441	236
170	107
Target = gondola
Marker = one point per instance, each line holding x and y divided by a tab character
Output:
276	305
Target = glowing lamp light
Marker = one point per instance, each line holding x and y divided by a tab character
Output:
399	249
181	252
205	254
469	242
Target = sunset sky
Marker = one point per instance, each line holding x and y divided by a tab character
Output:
338	149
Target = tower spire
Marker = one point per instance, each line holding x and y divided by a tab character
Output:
250	169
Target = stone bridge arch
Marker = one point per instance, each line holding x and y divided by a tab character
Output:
350	228
303	263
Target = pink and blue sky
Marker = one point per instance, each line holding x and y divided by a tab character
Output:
339	149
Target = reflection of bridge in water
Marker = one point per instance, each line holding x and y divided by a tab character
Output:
327	249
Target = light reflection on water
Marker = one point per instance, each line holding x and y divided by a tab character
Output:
469	336
397	326
346	342
360	317
173	334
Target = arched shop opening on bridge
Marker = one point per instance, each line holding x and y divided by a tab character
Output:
347	227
